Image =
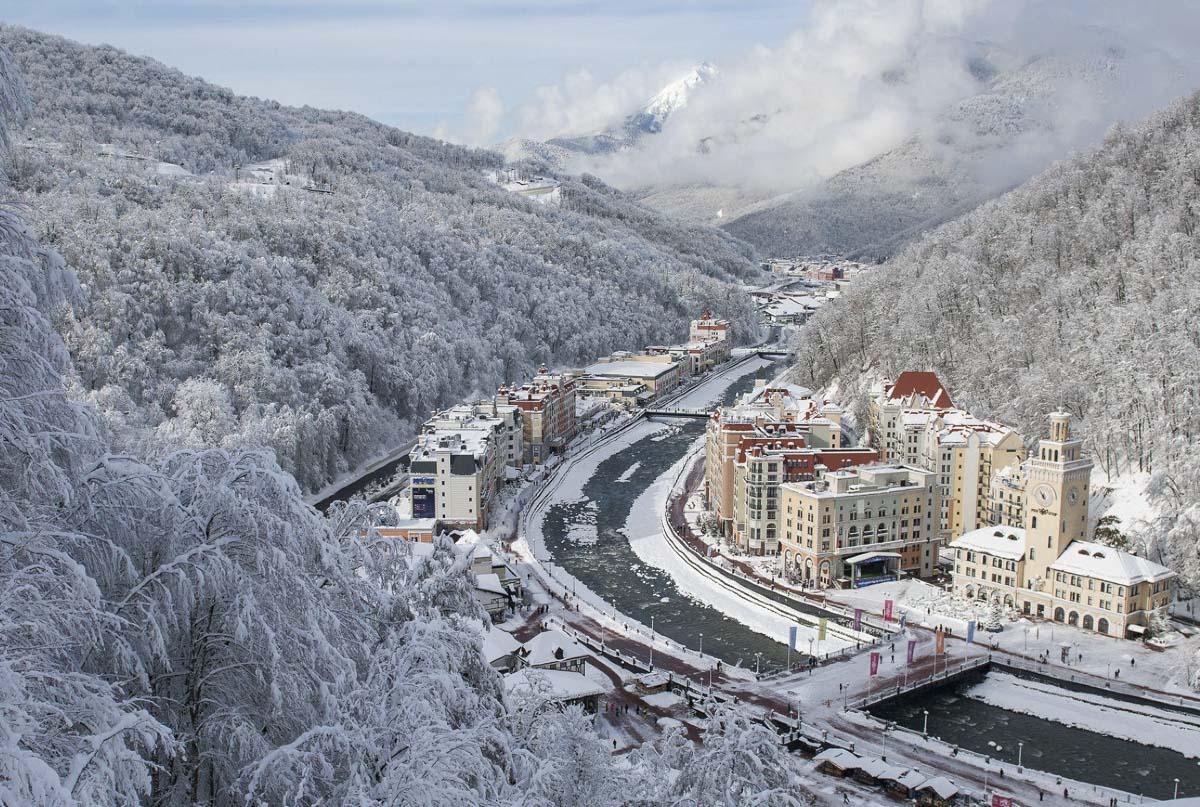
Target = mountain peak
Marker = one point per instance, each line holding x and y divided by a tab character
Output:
672	98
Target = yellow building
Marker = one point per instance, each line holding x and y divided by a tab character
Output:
860	525
1048	569
965	452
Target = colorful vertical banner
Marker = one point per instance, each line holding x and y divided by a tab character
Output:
887	610
874	663
912	649
792	631
971	631
940	644
858	619
821	628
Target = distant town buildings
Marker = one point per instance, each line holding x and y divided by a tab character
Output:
547	408
635	379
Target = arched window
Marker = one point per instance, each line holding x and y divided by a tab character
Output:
1073	618
1087	622
1058	614
1102	625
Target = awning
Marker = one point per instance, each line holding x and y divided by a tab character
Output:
866	556
1138	629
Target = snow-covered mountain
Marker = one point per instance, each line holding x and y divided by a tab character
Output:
561	152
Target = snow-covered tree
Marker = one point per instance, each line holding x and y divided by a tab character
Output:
995	616
741	762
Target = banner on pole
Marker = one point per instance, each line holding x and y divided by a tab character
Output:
971	631
887	610
858	619
874	662
821	629
792	637
940	644
912	649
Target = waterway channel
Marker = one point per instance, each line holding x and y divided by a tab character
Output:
1048	745
610	568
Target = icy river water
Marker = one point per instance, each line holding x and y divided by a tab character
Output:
1050	746
609	567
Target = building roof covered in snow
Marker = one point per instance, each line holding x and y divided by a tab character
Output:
997	540
914	383
551	647
490	583
942	787
631	369
1090	559
557	685
498	643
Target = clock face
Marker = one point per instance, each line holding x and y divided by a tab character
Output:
1044	495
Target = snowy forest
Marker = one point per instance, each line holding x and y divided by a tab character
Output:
178	628
367	277
1078	290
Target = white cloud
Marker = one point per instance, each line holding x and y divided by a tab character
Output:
862	76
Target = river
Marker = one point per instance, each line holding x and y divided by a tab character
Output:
1050	746
609	567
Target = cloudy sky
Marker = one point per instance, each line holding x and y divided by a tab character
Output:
428	66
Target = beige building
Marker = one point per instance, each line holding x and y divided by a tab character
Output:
767	415
547	409
858	526
709	329
1006	497
912	393
965	452
1047	568
762	467
658	374
913	421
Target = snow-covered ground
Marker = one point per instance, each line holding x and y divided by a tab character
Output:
925	604
1117	718
1165	668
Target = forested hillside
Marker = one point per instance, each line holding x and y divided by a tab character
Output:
1078	290
179	628
323	325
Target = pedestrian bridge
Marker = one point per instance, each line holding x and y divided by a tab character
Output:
676	412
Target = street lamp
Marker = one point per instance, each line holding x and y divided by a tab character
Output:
1020	748
757	663
1176	788
925	727
702	645
652	642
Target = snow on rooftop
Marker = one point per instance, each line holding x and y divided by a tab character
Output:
630	368
1105	563
543	648
1002	542
554	684
490	583
498	643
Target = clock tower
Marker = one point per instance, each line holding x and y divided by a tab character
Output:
1056	500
